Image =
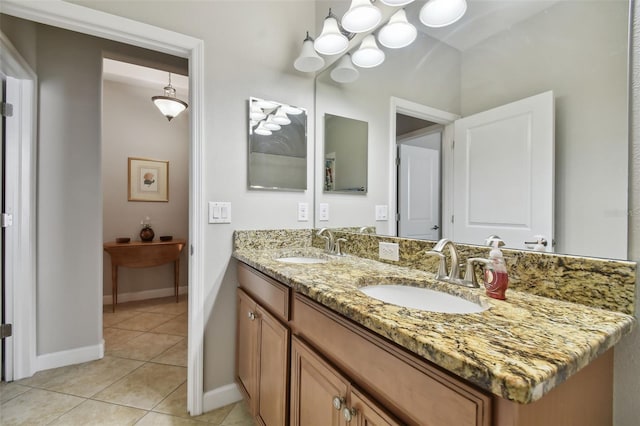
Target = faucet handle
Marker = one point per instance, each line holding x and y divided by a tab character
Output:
442	265
470	279
337	247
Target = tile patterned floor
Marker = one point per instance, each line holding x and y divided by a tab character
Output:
140	381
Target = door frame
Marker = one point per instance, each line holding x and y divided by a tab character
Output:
20	252
416	110
84	20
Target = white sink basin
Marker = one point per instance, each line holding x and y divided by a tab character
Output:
422	298
301	259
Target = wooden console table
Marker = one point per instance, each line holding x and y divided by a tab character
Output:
138	254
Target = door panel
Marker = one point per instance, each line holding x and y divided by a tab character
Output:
3	373
246	349
503	173
419	193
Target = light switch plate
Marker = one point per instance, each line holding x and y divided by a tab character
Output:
324	212
389	251
219	212
382	212
303	212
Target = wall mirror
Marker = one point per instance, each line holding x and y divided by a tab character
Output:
277	158
498	53
345	155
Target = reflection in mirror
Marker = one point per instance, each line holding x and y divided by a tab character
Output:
498	53
345	154
277	146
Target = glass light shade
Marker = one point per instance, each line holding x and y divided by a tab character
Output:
291	110
398	32
396	2
170	107
440	13
309	60
281	117
344	72
270	124
362	16
331	41
262	104
257	113
262	130
369	54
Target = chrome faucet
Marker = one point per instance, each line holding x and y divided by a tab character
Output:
453	274
329	244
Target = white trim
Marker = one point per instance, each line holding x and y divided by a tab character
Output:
144	295
413	109
88	21
72	356
219	397
20	253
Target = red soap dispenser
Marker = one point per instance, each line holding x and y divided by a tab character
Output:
496	279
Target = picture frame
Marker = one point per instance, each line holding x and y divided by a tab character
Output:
148	180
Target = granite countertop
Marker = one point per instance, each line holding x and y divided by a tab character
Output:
518	349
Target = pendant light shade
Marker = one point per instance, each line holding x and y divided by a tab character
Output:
281	117
309	60
262	130
396	2
331	41
345	72
291	110
369	54
362	16
398	32
270	124
257	113
168	104
440	13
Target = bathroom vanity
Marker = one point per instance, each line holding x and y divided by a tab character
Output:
313	349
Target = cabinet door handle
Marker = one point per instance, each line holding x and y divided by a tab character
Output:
338	402
251	315
349	413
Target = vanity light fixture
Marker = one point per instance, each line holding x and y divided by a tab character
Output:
262	130
345	72
281	117
440	13
398	32
361	17
369	54
309	60
331	41
168	104
396	2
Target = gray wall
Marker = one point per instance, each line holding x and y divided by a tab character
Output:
133	127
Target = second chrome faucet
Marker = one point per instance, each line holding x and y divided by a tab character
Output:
332	245
452	274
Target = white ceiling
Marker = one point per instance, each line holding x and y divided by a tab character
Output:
137	75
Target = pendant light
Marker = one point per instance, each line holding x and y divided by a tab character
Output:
309	60
440	13
345	72
362	16
369	54
262	130
396	2
291	110
168	104
257	113
398	32
331	41
270	124
281	117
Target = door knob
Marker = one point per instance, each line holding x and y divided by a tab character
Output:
435	227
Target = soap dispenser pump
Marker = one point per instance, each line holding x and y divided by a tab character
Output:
496	279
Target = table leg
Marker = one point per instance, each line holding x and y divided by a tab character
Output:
114	286
176	271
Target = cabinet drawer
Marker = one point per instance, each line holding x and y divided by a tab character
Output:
409	387
271	294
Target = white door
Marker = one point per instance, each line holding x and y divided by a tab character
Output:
503	173
419	192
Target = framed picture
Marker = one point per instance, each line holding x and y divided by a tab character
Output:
148	180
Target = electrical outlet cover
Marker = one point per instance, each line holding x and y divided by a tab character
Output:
389	251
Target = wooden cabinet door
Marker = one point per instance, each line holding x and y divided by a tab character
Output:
367	413
247	348
273	370
314	387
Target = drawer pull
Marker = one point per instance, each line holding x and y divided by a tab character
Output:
251	315
338	402
349	413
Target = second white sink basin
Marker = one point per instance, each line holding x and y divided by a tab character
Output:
301	259
422	298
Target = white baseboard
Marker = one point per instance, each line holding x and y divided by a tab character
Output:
69	357
219	397
143	295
